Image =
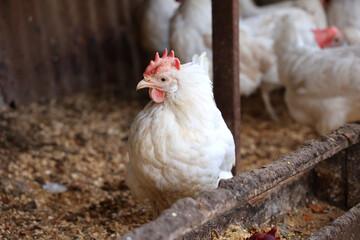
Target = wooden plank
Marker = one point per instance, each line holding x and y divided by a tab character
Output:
286	196
345	227
353	175
225	27
330	181
55	48
222	204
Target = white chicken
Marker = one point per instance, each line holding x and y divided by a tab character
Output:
179	144
154	22
190	31
256	60
248	8
314	8
345	14
262	28
322	86
191	34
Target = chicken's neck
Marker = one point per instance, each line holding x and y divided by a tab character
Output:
193	102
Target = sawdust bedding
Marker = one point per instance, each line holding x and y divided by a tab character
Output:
63	162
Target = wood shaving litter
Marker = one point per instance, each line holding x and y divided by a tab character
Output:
80	143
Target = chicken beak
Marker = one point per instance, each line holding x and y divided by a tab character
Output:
145	84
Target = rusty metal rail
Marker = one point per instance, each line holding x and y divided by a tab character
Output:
225	30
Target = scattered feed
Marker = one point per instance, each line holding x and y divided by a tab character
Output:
79	142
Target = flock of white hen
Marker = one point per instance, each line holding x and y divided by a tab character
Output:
179	144
185	27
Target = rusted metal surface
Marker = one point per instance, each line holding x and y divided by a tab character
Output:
59	47
345	227
225	30
292	173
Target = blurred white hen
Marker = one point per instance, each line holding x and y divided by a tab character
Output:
262	31
314	8
154	22
191	34
190	31
322	86
345	14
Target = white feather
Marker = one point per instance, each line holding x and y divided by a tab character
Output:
345	14
258	62
312	7
154	18
204	63
190	31
182	146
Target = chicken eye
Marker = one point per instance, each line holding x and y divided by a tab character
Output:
163	79
336	40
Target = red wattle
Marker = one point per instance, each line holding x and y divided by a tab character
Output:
324	4
156	95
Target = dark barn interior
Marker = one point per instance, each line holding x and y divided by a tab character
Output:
68	76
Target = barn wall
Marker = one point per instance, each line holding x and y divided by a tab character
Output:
57	47
51	48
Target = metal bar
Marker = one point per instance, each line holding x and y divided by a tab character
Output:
225	27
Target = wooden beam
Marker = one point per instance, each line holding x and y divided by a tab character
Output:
225	27
353	175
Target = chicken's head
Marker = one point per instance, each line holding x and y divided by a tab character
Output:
329	37
158	76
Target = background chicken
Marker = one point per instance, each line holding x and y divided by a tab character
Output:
314	8
262	29
248	8
345	14
322	86
179	145
256	60
190	31
154	23
191	34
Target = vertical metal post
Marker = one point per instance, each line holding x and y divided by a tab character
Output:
225	30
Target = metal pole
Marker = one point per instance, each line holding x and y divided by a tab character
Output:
225	35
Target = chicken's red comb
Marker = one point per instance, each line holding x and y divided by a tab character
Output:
325	36
162	64
324	4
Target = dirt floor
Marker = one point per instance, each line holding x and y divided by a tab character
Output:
63	162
